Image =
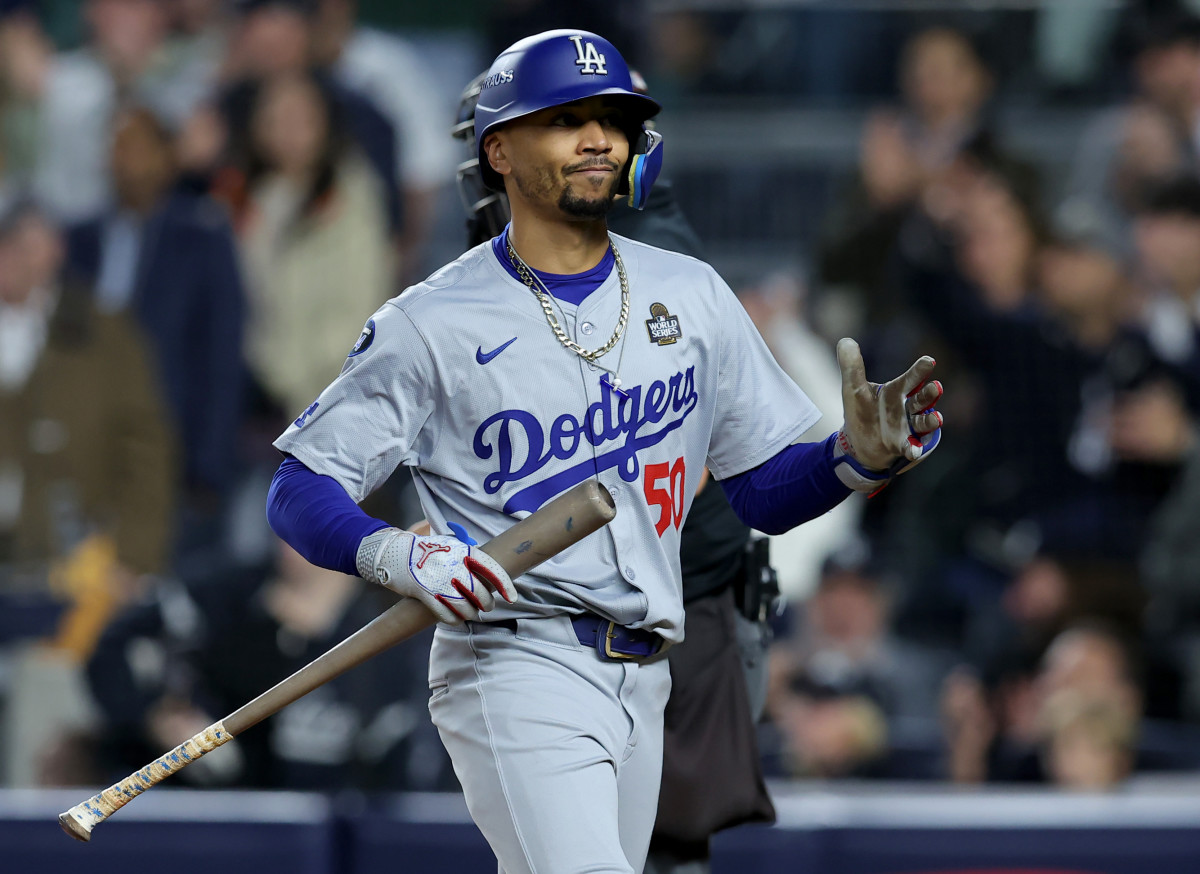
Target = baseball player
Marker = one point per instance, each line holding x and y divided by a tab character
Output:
712	776
554	353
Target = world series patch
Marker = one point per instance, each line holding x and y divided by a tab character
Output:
663	327
364	339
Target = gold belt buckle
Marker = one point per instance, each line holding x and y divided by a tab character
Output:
609	634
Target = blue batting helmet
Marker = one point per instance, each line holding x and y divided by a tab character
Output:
562	66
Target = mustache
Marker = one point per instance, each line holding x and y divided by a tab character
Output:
594	164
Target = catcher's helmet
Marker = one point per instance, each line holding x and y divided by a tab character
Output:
562	66
487	208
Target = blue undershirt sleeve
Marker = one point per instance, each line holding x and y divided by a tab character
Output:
313	514
791	487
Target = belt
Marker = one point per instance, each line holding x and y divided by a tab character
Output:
611	641
615	642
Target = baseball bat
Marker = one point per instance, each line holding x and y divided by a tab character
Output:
564	521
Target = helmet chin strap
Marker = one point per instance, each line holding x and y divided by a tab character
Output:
644	167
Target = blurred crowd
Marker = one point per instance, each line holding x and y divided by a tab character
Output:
202	203
1025	609
199	208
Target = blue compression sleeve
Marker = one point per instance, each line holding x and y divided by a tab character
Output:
791	487
316	517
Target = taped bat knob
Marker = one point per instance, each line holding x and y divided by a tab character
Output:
74	827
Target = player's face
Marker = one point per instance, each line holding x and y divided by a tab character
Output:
567	157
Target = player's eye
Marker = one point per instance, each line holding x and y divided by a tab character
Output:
565	119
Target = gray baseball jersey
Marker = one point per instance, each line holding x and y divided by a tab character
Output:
462	379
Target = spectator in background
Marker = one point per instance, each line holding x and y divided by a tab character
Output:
990	724
84	442
1167	232
169	258
976	265
391	73
1090	743
1147	419
314	238
70	97
86	478
273	38
904	155
843	674
1167	235
1060	585
1170	571
175	663
1152	136
1057	352
25	56
999	235
1073	723
1090	711
1087	284
845	641
829	733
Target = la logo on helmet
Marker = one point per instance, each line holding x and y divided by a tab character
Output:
588	59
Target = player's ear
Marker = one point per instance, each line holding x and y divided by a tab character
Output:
494	151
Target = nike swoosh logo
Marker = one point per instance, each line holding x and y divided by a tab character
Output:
484	357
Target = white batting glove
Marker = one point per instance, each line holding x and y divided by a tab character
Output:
889	428
454	580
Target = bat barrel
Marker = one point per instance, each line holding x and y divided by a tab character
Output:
566	520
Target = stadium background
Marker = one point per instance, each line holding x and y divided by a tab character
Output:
993	667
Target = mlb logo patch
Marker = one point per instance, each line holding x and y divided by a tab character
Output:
663	327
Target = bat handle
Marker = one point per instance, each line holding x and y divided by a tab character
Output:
79	821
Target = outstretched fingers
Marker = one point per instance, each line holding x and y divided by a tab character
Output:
923	397
854	372
924	423
922	417
915	376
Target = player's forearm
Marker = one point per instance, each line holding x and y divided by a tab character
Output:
315	516
790	488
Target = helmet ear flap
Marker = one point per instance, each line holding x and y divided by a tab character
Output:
644	166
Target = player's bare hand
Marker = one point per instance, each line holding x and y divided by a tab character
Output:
890	426
454	580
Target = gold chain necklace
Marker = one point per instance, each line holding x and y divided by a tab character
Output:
543	297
